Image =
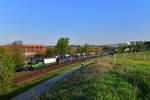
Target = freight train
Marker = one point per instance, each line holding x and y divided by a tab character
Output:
37	63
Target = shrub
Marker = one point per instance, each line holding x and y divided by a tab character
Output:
6	71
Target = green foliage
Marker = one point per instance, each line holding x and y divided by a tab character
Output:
107	49
62	46
39	55
147	45
80	50
84	49
96	50
6	71
50	52
136	46
122	49
17	55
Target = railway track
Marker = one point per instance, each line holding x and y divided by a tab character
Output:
28	76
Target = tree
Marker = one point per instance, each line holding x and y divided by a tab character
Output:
18	43
17	55
39	55
62	46
136	46
147	45
86	48
121	49
80	50
50	52
96	50
6	71
108	49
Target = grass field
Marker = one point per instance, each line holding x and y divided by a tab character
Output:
23	87
128	79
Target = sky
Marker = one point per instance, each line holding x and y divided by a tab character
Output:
95	22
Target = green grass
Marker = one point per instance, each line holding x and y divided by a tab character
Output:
128	80
23	87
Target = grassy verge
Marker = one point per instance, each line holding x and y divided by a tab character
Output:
128	80
23	87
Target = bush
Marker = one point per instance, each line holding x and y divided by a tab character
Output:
6	71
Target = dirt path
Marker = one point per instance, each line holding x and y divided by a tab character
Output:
39	89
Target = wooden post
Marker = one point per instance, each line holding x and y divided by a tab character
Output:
144	56
115	59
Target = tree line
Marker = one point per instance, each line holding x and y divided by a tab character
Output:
63	47
137	46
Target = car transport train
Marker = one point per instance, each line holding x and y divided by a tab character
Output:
37	63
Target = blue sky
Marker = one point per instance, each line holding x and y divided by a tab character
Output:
84	21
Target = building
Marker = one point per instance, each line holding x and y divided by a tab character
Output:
95	48
34	49
30	50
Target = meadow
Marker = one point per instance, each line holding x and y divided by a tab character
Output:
120	77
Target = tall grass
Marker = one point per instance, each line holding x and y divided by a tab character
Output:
129	79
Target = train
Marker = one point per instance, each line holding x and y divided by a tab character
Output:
41	62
